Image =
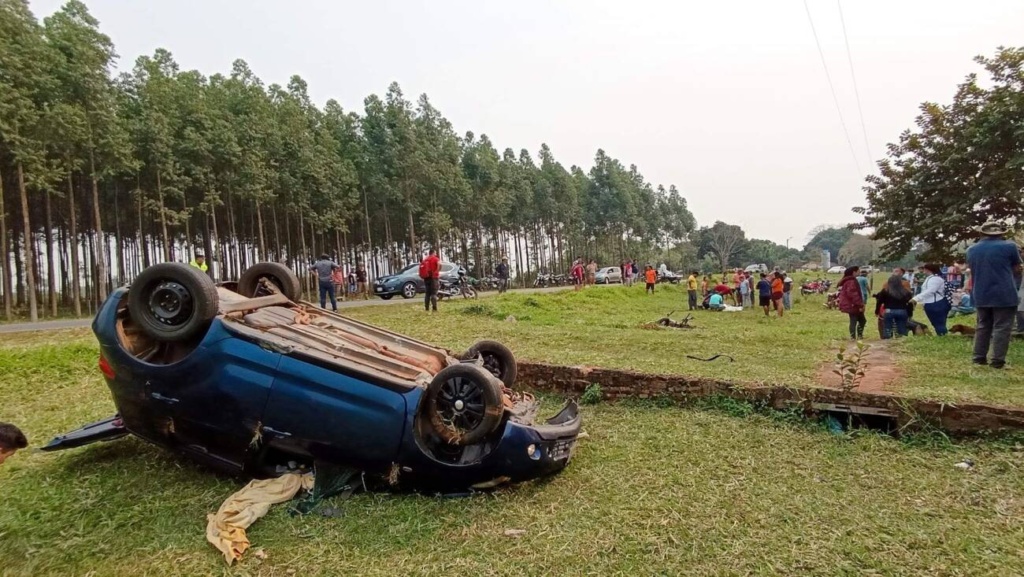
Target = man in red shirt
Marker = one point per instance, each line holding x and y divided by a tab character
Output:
430	271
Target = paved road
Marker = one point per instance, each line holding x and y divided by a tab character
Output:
373	302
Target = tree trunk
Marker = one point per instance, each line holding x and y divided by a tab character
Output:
412	228
305	258
288	239
76	281
30	275
89	292
98	257
189	241
233	231
19	271
215	242
119	239
259	222
51	278
163	219
4	254
62	247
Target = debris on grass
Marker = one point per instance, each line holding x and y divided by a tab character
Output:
515	533
966	464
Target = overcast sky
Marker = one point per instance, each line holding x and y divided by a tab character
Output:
727	100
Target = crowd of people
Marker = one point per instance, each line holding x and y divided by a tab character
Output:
990	286
333	281
774	291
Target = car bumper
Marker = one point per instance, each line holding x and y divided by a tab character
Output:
382	291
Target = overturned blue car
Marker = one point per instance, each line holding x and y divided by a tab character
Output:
245	378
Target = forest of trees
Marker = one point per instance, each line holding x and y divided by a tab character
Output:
108	174
103	174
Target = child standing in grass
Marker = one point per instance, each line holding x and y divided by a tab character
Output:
651	277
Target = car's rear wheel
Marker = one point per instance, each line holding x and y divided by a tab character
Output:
250	283
172	301
463	404
409	290
497	359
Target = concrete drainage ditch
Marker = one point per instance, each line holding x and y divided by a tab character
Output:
889	412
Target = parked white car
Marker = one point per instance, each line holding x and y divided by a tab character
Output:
836	270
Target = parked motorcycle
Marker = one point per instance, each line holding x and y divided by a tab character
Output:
816	287
450	290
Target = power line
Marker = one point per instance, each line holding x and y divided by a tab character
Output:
856	91
832	88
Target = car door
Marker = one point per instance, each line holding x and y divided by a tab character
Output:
316	410
212	401
614	274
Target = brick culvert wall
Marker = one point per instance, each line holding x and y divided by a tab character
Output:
962	418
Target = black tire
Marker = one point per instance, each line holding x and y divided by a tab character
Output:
463	404
386	297
172	301
498	360
281	276
409	290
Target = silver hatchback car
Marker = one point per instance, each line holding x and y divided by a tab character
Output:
608	275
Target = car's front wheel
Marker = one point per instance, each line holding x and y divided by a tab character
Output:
463	404
409	290
172	301
386	297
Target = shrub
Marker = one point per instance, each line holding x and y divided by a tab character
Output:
592	395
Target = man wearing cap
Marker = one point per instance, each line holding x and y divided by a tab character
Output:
993	261
199	261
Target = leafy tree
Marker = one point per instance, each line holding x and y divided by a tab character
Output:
959	167
828	238
725	241
859	250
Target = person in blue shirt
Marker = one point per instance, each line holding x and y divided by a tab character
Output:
865	285
764	294
993	262
716	303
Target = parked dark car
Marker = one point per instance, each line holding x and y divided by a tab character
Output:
408	283
244	378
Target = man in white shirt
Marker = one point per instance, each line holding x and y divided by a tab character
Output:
933	297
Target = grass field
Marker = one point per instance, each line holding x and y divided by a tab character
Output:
601	327
718	490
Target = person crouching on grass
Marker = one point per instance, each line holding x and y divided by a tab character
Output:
11	439
650	277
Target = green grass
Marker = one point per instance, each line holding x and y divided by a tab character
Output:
602	327
719	490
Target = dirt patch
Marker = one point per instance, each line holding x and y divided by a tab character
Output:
880	374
